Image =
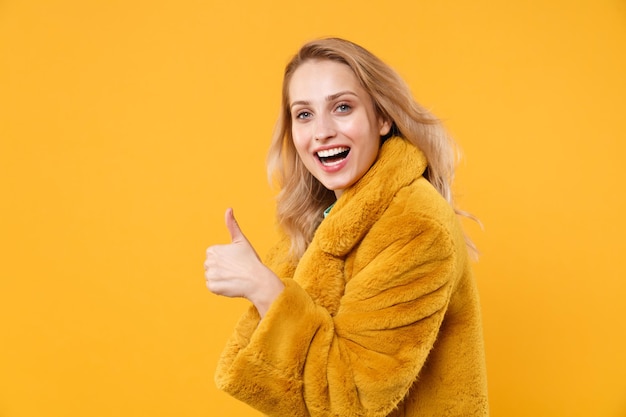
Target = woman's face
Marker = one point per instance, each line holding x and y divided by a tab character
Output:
335	128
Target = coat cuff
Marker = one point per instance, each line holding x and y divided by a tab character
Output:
274	348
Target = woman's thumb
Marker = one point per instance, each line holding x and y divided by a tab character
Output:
236	235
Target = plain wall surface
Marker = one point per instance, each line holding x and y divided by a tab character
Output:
128	127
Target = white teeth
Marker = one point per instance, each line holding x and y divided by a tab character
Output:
330	164
332	152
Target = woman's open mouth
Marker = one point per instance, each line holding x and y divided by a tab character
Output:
334	156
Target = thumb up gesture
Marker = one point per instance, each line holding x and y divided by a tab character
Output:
235	270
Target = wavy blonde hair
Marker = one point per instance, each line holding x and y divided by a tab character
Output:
302	198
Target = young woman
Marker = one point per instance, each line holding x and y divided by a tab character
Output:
366	306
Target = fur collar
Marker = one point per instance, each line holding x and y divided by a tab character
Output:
398	164
321	269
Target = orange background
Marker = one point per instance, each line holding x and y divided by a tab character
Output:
127	127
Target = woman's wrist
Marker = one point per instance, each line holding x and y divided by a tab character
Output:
269	288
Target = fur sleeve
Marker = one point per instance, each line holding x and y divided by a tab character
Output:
302	360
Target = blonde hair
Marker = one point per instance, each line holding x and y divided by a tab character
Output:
302	198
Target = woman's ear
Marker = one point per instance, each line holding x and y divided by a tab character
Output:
384	126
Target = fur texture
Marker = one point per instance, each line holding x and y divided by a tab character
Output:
380	317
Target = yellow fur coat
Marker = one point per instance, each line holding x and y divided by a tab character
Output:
380	317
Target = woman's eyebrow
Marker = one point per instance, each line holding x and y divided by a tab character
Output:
339	94
300	102
328	98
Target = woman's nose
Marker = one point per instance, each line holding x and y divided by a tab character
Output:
324	128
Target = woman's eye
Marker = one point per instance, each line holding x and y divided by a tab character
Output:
343	108
303	115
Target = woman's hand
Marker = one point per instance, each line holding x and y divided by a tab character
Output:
235	270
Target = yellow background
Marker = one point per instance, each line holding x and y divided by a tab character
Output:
127	127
